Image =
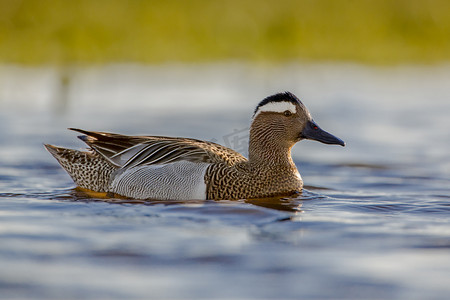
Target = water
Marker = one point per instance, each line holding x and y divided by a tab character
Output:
372	223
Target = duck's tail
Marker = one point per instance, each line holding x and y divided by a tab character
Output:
87	169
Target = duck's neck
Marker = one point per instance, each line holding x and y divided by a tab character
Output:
266	150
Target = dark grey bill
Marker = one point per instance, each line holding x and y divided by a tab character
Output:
313	132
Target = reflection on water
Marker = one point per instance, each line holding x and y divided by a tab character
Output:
373	221
290	204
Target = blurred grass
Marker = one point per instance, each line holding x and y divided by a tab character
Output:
101	31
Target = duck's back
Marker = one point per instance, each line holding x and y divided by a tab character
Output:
144	167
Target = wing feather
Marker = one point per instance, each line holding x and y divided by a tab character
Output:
126	151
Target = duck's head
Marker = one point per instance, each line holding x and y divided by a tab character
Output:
285	115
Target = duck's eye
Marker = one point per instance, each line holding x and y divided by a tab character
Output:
287	113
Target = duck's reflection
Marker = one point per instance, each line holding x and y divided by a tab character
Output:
287	203
291	203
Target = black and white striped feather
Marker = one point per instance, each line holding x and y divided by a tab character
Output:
129	151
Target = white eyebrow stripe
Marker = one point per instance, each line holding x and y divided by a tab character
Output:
278	107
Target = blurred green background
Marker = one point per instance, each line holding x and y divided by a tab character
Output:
104	31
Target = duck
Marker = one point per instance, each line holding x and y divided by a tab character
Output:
174	168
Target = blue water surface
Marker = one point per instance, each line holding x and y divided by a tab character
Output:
372	223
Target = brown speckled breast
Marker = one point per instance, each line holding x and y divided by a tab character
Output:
243	181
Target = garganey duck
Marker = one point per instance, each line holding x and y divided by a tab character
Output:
157	167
